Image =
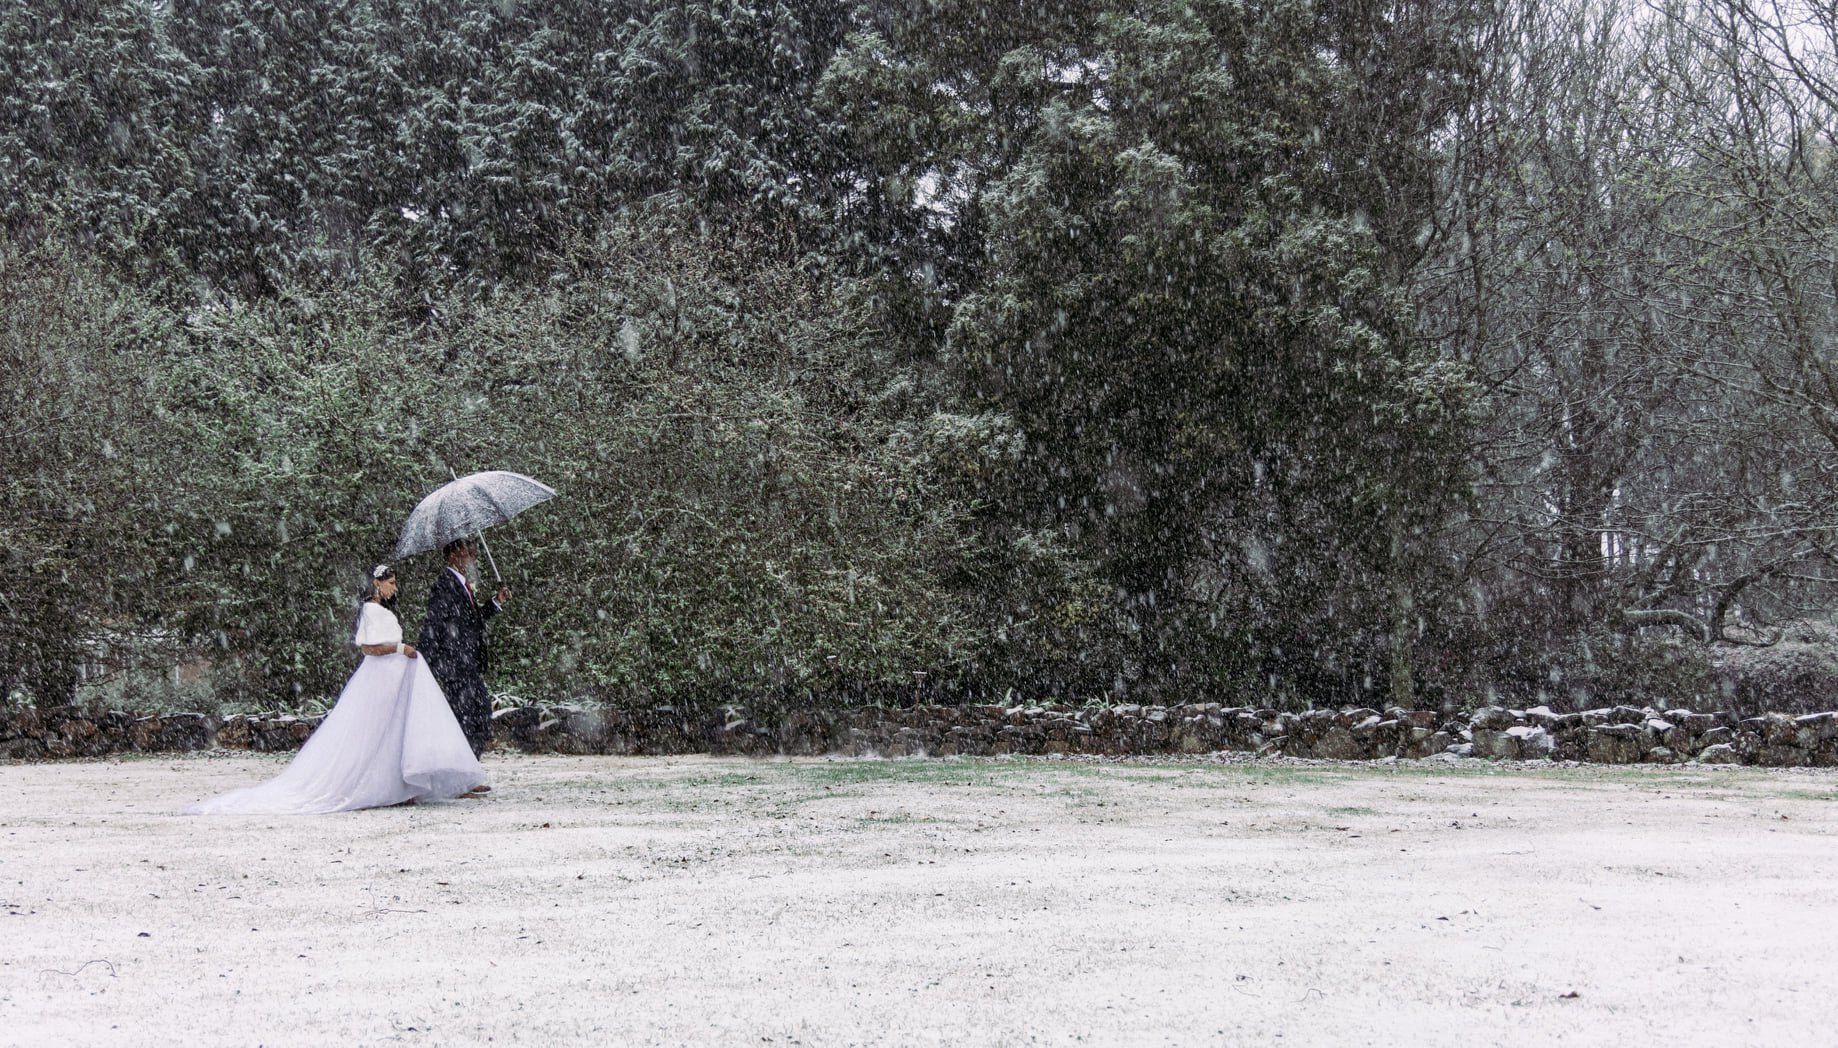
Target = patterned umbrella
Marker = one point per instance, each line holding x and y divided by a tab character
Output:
467	506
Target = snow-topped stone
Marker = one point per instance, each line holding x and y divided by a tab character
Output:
1534	742
1492	718
1721	753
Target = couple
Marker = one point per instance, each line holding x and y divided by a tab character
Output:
410	723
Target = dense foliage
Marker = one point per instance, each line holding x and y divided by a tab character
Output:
1286	351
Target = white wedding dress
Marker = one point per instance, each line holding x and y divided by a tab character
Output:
390	738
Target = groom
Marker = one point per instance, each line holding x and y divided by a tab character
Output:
453	641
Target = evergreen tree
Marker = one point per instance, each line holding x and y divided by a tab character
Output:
521	124
292	156
92	131
1183	298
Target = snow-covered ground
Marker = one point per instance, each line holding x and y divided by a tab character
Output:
676	901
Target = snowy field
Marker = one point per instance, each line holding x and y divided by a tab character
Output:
673	901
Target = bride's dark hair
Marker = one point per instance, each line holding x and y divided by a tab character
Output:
380	573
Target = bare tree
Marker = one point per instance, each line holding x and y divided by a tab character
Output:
1631	262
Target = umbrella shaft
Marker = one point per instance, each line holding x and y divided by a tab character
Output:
486	546
489	559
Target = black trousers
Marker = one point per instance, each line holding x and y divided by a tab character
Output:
471	705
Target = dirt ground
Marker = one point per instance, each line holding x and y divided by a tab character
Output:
685	901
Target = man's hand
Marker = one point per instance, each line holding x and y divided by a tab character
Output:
504	596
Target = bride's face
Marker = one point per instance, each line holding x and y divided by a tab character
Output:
386	589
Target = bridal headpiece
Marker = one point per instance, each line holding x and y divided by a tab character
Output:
380	572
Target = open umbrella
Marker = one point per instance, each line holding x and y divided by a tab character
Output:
466	507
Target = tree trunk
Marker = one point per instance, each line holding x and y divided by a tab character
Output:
1403	686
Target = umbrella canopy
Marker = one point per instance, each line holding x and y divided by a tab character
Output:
467	506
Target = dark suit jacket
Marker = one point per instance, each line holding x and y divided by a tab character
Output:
453	633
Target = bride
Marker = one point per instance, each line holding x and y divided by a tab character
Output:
391	737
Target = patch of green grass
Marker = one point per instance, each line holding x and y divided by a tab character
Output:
947	772
1007	769
895	819
801	780
724	779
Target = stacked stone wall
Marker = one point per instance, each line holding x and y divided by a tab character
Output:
1613	735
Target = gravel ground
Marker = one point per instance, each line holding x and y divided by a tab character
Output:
672	901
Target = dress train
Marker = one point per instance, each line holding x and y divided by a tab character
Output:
390	738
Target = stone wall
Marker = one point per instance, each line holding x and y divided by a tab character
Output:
1618	735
